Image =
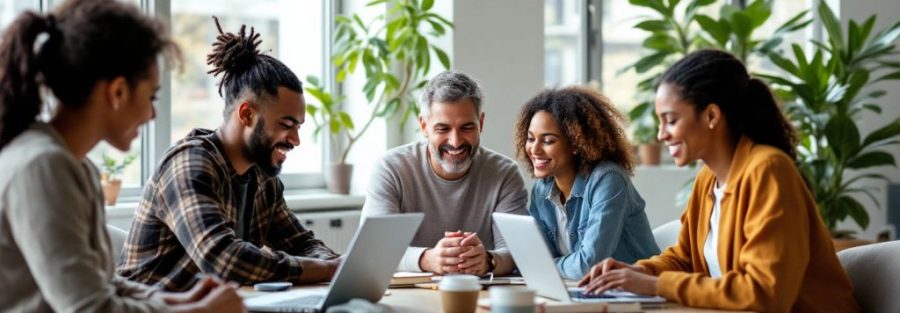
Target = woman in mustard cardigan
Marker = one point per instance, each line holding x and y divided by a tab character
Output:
751	236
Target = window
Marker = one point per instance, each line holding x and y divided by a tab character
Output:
10	9
562	46
621	42
621	46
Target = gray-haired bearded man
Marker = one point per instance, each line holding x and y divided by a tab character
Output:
454	181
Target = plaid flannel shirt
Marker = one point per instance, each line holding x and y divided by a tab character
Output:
186	221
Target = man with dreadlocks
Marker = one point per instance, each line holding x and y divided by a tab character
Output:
215	203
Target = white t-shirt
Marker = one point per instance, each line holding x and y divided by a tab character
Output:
710	248
562	222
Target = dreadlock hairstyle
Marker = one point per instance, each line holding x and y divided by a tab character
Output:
245	69
87	41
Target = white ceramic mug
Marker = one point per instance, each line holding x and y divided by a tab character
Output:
512	300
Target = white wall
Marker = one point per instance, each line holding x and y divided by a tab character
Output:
659	186
888	12
500	43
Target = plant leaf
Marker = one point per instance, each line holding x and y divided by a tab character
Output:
890	130
320	95
427	4
871	159
832	26
313	80
784	64
661	42
442	56
346	120
311	110
843	136
891	76
360	23
759	12
855	210
719	32
438	29
656	5
335	126
638	111
649	61
692	8
872	107
741	24
653	25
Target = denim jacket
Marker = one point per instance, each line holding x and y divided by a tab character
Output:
605	217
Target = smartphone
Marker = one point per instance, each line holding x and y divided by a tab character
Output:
275	286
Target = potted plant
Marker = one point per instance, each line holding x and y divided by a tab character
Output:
644	127
672	35
111	176
395	52
826	92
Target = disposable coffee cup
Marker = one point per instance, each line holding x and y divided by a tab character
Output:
459	293
512	300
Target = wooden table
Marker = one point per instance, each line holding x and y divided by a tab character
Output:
419	300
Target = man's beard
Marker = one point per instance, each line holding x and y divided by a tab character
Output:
261	149
453	166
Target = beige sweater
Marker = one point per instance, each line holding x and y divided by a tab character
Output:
55	252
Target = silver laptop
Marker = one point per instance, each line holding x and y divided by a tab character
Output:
365	272
533	258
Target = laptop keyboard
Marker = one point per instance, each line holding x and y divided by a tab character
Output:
307	301
579	294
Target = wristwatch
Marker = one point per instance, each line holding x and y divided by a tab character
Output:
491	262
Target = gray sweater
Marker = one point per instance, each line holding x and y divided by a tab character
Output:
55	252
403	181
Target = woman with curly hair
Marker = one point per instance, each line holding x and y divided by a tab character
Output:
584	202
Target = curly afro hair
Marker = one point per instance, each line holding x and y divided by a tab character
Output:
587	119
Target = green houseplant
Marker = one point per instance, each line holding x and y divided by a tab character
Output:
673	34
111	175
395	51
826	92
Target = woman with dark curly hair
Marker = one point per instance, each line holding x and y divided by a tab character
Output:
584	201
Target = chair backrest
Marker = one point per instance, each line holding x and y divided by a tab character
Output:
874	270
667	234
117	237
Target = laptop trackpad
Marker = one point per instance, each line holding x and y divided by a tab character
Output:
291	298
